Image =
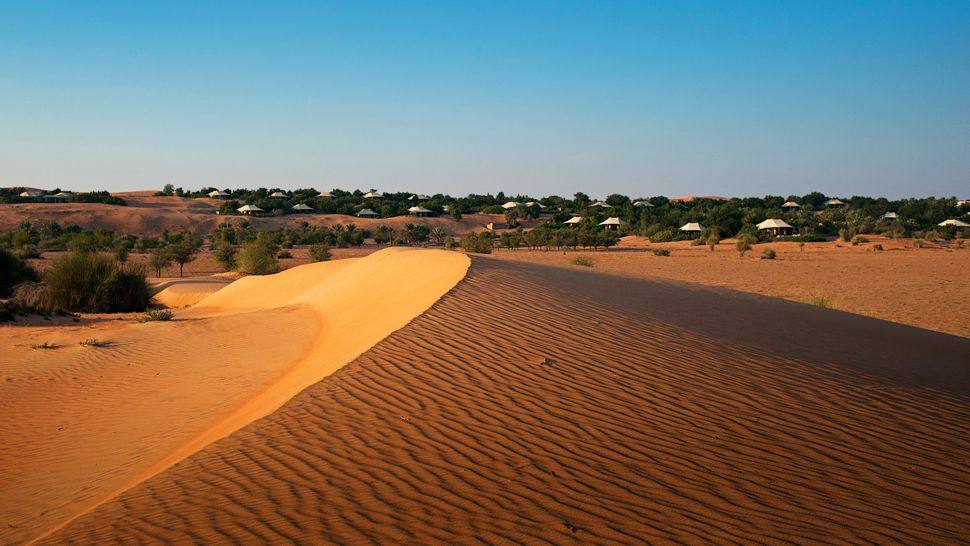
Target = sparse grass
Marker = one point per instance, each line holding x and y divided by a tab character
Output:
94	343
661	252
585	262
819	300
162	315
45	345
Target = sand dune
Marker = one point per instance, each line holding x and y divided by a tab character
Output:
542	405
187	292
81	424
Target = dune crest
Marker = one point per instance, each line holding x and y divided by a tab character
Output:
87	424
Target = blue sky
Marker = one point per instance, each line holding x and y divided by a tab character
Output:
642	98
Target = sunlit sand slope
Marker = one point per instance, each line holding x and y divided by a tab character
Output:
81	424
534	404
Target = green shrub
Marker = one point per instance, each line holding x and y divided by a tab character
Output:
665	236
661	252
157	315
768	254
480	243
258	257
94	283
585	262
13	271
225	255
320	253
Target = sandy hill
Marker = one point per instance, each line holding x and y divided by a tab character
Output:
81	424
537	404
151	215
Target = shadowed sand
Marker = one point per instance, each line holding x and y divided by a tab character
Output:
537	404
80	425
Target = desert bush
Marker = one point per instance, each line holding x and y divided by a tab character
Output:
585	262
27	252
480	243
712	241
819	300
284	254
768	254
94	283
845	234
121	254
877	247
744	243
258	257
661	252
13	271
918	243
94	343
225	255
698	242
157	315
45	345
858	239
320	253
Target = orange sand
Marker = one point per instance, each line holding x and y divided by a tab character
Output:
548	405
83	424
925	287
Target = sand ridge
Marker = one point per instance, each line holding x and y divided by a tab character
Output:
83	424
542	405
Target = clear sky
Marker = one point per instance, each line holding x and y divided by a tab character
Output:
641	98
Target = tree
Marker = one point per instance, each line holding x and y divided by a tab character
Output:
258	257
159	260
168	189
225	254
383	235
184	251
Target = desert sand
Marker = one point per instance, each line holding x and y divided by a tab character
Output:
530	403
82	424
925	287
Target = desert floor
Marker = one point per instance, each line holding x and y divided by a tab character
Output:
926	287
529	403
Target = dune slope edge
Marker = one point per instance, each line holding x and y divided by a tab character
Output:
86	425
